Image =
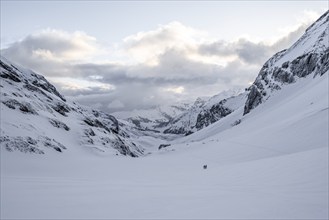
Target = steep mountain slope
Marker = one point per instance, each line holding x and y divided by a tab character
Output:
36	118
205	112
309	55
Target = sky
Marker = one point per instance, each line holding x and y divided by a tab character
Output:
125	55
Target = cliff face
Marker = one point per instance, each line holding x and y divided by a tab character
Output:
309	55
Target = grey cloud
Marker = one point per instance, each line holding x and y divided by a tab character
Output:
22	55
253	53
173	69
250	52
131	95
217	48
290	38
94	90
137	90
50	51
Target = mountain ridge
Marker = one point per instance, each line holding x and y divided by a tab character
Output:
42	112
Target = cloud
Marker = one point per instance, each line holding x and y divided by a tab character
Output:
56	45
251	52
171	63
116	104
177	90
146	47
52	51
76	85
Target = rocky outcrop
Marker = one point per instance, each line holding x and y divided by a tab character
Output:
254	99
24	107
205	112
30	145
216	112
308	56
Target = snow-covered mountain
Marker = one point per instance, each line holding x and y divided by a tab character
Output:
153	119
206	111
298	69
185	118
308	56
36	118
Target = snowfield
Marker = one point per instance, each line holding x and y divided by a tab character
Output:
291	186
274	164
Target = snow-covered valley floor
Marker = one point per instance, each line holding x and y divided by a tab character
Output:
272	165
166	186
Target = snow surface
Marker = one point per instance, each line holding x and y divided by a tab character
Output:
274	164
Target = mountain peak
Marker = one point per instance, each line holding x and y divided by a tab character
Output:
308	56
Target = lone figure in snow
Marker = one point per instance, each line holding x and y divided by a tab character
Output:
204	166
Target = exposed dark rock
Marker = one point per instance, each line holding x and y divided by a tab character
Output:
24	107
304	65
16	94
173	130
136	122
51	143
44	84
189	133
89	132
161	124
95	113
36	89
285	65
253	100
58	124
323	64
61	108
59	144
163	146
31	141
124	149
25	145
216	112
9	73
282	75
111	125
